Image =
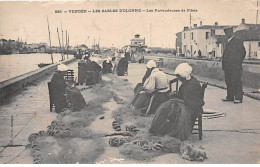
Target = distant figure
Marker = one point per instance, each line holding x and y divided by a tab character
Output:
122	66
81	71
127	54
199	53
107	66
232	60
93	72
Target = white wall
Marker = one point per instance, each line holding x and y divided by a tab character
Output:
255	49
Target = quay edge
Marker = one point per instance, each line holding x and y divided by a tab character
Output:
20	82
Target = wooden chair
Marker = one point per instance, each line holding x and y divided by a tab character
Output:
198	124
69	76
175	80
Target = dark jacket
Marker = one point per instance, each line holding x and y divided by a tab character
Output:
58	84
107	67
122	66
58	87
233	55
191	93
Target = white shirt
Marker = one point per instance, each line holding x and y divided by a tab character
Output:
157	80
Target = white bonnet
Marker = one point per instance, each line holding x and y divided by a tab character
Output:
62	67
184	70
151	64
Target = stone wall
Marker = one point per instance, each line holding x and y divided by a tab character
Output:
213	69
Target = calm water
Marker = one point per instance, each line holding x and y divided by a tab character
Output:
17	64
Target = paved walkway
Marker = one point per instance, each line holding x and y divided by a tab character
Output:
24	113
230	139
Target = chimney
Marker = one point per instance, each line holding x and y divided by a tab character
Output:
185	28
216	23
194	25
243	21
212	32
200	23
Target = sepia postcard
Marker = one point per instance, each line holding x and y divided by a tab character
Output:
130	82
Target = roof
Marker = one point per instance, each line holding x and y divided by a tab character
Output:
3	40
248	34
137	39
83	46
253	26
210	27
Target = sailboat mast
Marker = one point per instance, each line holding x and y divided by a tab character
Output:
50	40
59	43
67	44
62	42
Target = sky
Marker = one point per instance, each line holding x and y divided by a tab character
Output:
28	20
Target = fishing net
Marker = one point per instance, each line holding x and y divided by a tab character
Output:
173	119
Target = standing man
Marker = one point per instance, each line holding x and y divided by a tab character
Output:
199	53
232	60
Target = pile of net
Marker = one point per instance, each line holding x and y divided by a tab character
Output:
68	138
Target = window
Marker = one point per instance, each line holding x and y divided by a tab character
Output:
258	44
207	35
192	36
184	36
135	42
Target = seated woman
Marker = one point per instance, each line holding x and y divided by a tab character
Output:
155	91
190	91
63	94
82	71
122	66
149	67
107	66
177	116
58	86
93	72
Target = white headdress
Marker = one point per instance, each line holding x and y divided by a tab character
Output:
62	67
151	64
184	70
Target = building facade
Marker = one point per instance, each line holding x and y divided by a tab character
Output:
211	40
206	38
138	44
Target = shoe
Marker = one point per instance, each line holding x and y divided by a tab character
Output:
237	101
226	100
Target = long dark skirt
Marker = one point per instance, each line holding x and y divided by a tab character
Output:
172	118
139	87
92	77
76	99
156	100
148	103
60	103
